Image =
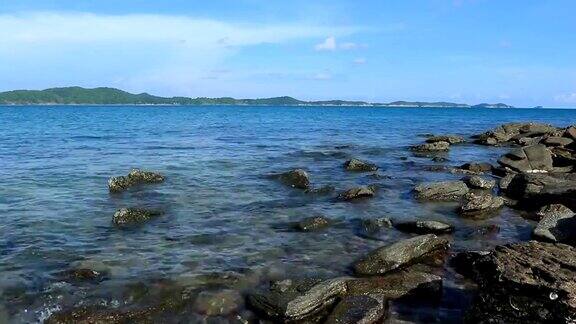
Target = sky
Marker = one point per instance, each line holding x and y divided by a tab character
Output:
520	52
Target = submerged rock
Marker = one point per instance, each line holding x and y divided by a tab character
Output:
529	159
362	309
476	182
432	147
373	225
291	300
132	216
134	178
357	193
218	303
400	254
360	166
83	274
296	179
530	282
424	227
558	224
444	191
313	223
450	139
480	203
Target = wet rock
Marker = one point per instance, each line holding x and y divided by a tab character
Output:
443	191
290	300
362	309
357	193
360	166
530	159
218	303
477	167
132	216
313	223
505	133
505	181
557	141
324	190
530	282
480	203
83	275
558	224
134	178
400	254
375	225
296	179
476	182
432	147
439	159
536	190
463	262
450	139
424	227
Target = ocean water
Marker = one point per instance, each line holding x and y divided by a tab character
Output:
223	213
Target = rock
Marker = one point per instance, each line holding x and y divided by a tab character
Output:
529	159
131	216
477	167
505	181
480	203
570	132
536	190
218	303
432	147
558	224
359	165
424	227
324	190
450	139
357	193
291	300
375	225
296	179
134	178
463	262
77	275
406	282
504	133
400	254
557	141
313	223
530	282
476	182
362	309
444	191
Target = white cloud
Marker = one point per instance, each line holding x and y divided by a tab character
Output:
567	98
360	61
327	45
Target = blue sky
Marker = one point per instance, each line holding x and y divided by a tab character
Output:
521	52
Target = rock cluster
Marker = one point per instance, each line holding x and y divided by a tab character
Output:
132	216
134	178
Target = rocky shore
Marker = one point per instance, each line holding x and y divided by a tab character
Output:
526	282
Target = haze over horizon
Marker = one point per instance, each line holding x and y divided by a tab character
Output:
470	51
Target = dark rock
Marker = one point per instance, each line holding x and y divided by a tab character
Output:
557	224
530	282
463	262
357	193
439	159
480	203
476	182
359	165
557	141
132	216
432	147
570	132
297	299
296	179
531	159
451	139
505	181
134	178
83	275
477	167
424	227
444	191
400	254
536	190
362	309
313	223
218	303
375	225
504	133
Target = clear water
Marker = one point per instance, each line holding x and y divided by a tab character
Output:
222	211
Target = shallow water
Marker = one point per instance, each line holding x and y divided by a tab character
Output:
222	210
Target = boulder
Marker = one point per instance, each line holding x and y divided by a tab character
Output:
133	216
450	139
558	224
424	227
358	193
361	309
477	167
443	191
373	225
505	133
570	132
476	182
557	141
291	300
432	147
313	223
480	203
536	190
531	282
360	166
297	178
134	178
529	159
400	254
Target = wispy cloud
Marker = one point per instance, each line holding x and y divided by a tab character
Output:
331	44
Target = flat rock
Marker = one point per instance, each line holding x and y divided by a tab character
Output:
358	193
480	203
451	139
477	167
432	147
534	191
361	309
400	254
558	224
297	178
529	159
531	282
313	223
477	182
360	166
402	283
424	227
443	191
132	216
557	141
570	132
134	178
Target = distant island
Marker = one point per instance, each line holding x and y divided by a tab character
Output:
111	96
